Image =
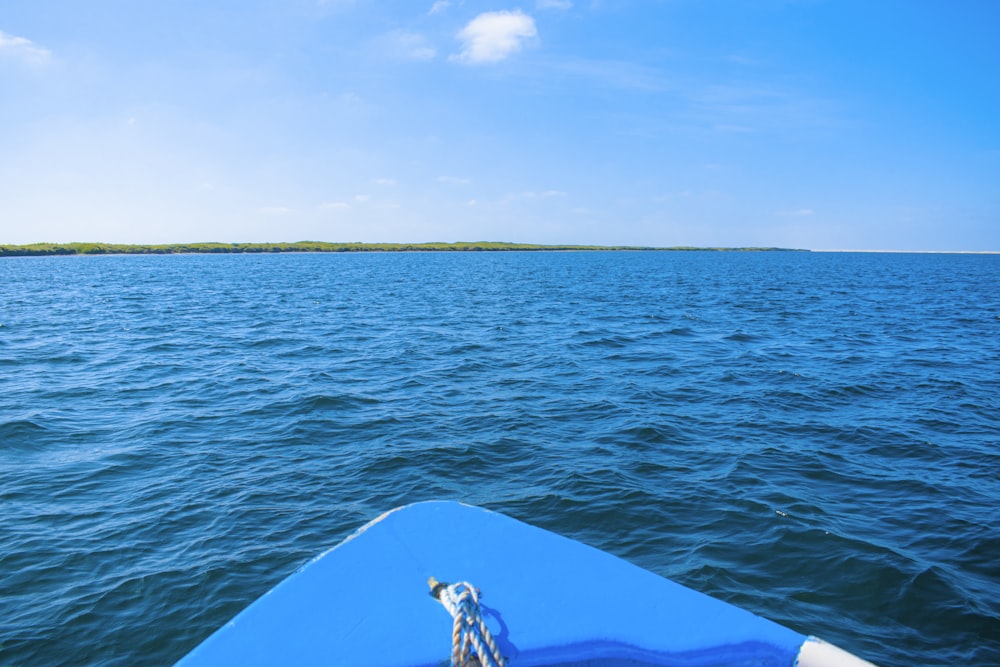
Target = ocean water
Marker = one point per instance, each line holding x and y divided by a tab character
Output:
811	436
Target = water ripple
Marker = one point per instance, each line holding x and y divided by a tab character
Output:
810	436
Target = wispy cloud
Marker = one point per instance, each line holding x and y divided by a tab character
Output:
274	210
349	99
22	49
454	180
438	7
724	107
553	4
616	74
495	36
743	108
799	213
335	205
745	60
384	181
724	128
335	4
688	195
544	194
408	45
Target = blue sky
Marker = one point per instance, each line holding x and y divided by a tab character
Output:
828	125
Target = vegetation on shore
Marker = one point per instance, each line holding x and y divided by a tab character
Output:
36	249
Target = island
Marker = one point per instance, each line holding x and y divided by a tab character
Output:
41	249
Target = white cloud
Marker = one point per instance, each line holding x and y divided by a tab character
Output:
438	6
361	198
553	4
453	180
384	181
23	50
336	205
409	45
493	36
799	213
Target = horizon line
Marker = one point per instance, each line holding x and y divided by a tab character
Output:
915	252
507	243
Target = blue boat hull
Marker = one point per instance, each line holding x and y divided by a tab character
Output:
547	600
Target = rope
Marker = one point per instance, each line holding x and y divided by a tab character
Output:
469	630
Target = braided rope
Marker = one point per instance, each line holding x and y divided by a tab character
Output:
469	629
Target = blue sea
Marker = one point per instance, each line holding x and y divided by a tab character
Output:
812	436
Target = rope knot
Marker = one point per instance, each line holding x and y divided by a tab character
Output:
469	630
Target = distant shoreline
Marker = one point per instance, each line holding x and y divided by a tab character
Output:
45	249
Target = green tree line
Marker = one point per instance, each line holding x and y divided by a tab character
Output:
36	249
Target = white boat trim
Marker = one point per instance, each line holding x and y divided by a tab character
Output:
817	653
